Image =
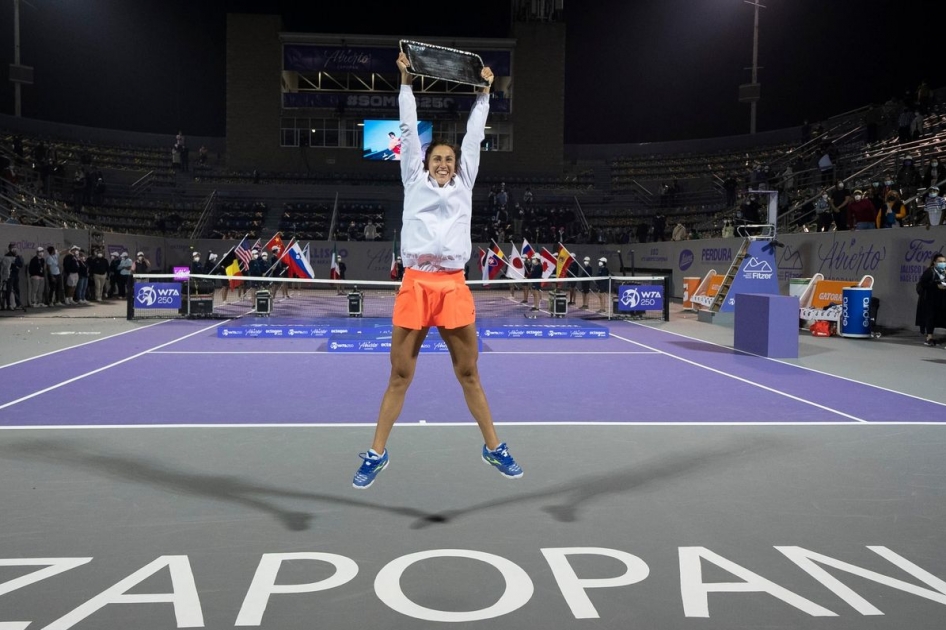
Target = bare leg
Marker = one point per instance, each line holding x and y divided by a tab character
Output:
405	346
464	353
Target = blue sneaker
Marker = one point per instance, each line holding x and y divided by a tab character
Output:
502	461
370	468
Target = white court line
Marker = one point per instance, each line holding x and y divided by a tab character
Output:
801	367
79	345
745	380
463	425
483	354
105	367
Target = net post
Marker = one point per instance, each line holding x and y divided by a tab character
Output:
130	297
666	298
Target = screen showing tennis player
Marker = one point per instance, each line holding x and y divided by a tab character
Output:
382	139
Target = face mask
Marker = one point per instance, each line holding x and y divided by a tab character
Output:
934	163
601	264
98	255
824	196
255	256
840	186
934	194
876	184
941	266
857	197
889	182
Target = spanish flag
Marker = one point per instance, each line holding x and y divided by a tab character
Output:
562	261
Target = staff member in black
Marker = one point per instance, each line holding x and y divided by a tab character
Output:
603	284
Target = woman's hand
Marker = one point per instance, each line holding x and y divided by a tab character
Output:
402	65
487	76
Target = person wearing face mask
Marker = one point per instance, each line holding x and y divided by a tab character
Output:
934	207
823	212
840	198
931	303
10	266
861	212
933	174
435	247
892	213
37	274
98	269
603	284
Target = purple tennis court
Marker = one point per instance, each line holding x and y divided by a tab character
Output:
669	479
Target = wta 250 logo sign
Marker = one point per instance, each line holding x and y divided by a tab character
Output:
158	295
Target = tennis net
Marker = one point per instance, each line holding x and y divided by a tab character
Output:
164	296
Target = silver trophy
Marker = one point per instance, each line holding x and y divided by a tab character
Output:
446	64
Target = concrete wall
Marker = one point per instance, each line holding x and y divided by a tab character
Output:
254	68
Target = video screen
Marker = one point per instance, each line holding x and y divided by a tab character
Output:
382	139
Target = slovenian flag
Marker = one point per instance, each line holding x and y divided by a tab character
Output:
298	263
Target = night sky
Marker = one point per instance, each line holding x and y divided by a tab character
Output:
636	70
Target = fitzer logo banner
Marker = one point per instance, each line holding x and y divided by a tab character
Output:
158	295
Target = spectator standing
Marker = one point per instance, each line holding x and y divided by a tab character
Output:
730	184
98	269
933	174
826	166
82	286
502	197
893	212
861	212
114	275
660	227
371	231
603	284
823	212
679	232
10	266
125	277
70	273
840	199
934	207
37	279
55	295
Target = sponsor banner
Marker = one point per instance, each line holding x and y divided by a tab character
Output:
643	297
274	331
756	274
539	331
352	343
181	274
150	295
381	102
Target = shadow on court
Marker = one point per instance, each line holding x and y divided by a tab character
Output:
564	502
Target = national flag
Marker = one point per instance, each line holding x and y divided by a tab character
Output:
297	261
335	272
492	263
233	270
563	261
527	251
394	258
481	260
516	268
245	254
549	261
276	241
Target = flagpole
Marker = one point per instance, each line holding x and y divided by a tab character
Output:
224	257
281	255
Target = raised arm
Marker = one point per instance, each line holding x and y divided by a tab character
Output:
412	161
475	132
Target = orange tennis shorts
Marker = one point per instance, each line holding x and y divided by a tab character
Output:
439	299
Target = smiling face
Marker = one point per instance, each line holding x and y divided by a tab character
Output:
441	163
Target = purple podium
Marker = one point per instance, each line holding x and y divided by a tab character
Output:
766	325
